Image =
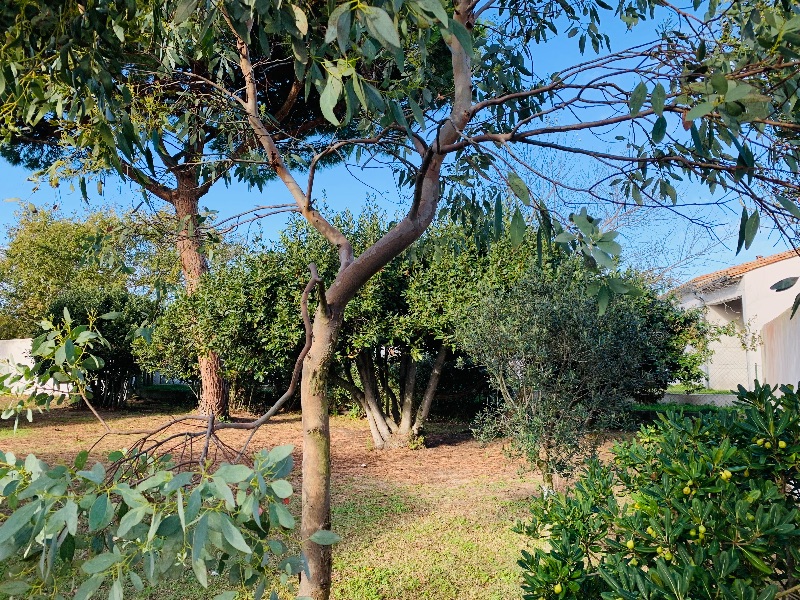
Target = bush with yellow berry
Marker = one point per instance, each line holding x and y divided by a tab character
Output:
693	508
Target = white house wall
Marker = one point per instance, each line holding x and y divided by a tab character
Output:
17	351
759	307
781	350
762	305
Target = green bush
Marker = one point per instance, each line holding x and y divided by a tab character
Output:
564	370
124	314
700	508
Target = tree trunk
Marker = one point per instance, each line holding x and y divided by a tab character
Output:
317	453
386	432
409	382
213	393
430	391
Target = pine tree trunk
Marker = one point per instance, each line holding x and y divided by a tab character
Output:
317	454
213	393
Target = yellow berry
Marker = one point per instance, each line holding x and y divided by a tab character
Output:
690	482
701	536
651	531
667	555
750	517
781	444
702	529
767	445
633	562
687	490
660	550
629	544
727	474
693	532
760	442
557	588
747	472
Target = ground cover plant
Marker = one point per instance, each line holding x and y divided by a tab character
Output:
702	507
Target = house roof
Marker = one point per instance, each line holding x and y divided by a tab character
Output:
731	275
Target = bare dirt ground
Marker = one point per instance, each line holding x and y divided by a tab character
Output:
416	524
452	458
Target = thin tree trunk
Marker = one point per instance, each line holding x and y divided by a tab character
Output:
430	390
409	383
213	394
383	423
316	512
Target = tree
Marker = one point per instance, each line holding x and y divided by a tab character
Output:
45	255
563	369
692	106
244	311
165	140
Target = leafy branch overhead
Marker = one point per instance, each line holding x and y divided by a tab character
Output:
177	95
711	98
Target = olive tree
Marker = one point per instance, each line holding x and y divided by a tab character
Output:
689	104
563	368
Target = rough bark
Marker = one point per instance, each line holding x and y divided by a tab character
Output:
213	393
316	512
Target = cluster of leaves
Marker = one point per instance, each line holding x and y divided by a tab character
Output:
64	359
563	368
691	508
124	316
71	529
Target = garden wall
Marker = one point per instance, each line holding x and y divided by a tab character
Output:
715	399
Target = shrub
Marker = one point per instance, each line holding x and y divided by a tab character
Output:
699	508
124	313
563	369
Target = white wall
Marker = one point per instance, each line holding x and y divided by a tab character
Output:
761	306
16	351
781	350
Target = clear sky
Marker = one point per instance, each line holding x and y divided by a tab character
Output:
649	239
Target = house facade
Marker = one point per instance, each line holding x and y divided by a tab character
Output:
766	343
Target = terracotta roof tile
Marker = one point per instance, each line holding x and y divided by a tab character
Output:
724	277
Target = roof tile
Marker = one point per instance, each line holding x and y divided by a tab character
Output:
724	277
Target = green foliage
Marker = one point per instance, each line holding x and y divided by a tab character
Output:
64	358
45	255
247	311
691	508
70	528
563	369
48	254
121	316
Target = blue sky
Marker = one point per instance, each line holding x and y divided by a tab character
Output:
350	189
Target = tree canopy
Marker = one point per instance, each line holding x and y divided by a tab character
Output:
711	99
